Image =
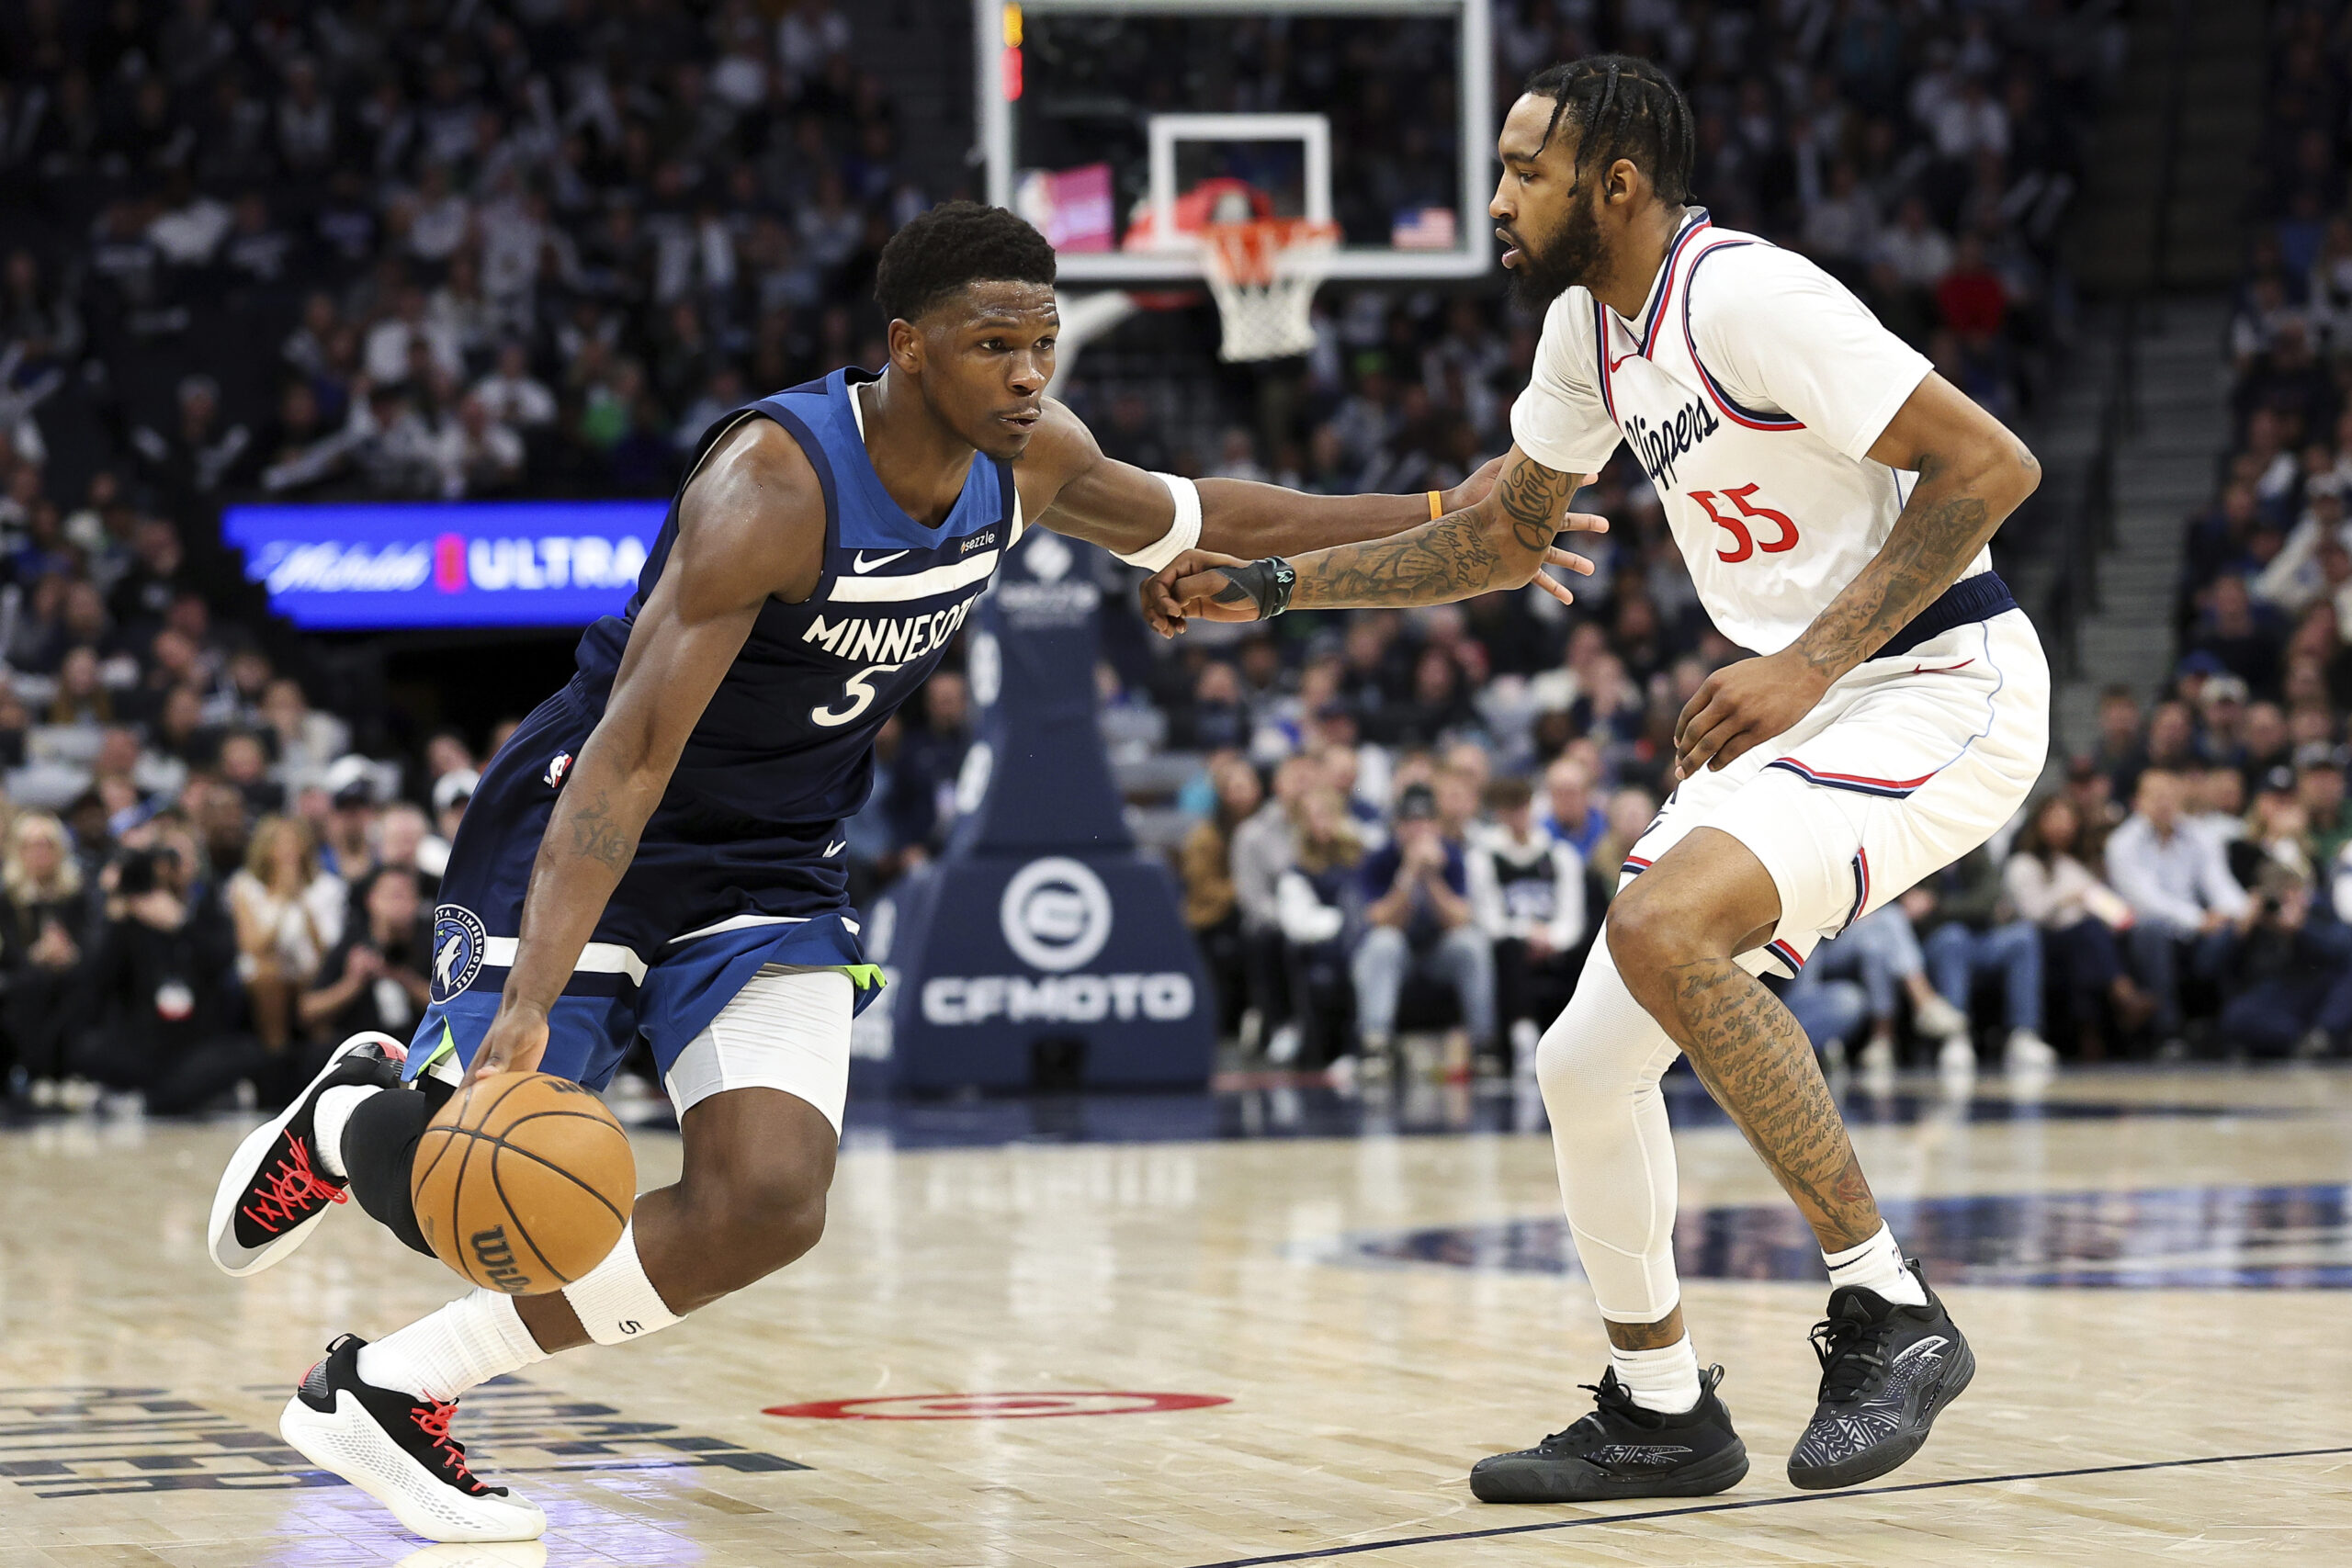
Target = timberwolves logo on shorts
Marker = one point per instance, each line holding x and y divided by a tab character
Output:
457	943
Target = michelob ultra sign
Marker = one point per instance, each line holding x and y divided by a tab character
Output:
377	566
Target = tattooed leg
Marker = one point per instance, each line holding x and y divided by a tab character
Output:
1673	934
1647	1336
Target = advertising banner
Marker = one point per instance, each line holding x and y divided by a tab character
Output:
384	566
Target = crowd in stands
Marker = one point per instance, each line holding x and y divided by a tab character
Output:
2217	812
535	246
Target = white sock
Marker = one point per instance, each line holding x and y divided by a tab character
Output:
328	1121
1665	1381
1877	1265
614	1302
470	1341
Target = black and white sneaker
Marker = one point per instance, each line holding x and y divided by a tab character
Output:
272	1191
397	1449
1622	1451
1887	1372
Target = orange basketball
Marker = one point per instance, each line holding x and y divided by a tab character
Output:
523	1182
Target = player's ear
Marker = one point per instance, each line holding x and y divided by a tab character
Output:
906	347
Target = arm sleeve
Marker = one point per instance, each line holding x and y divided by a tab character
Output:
1779	335
1560	420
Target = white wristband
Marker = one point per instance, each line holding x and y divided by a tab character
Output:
1183	534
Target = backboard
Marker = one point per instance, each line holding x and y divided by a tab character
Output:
1119	126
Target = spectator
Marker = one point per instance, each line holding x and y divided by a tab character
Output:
1571	814
1262	848
1881	950
2288	979
1981	932
375	977
44	918
2048	880
1527	891
1318	905
1212	908
288	915
2184	901
160	991
1418	921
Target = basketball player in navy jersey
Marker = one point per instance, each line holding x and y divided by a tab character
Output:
1832	498
657	850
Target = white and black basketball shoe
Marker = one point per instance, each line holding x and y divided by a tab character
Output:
1622	1451
1887	1372
273	1190
397	1449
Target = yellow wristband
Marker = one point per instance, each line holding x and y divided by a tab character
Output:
1437	505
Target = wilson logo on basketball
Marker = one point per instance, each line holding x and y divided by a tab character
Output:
495	1255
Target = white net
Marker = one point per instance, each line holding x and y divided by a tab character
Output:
1264	274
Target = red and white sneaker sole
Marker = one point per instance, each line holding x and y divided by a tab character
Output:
350	1444
237	1178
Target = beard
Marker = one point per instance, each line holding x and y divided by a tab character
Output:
1570	256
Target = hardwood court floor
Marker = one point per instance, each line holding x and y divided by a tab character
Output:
2150	1267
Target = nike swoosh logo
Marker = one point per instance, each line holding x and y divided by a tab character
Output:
1616	362
859	563
833	850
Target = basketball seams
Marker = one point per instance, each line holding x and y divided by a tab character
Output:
493	1138
473	1113
515	1216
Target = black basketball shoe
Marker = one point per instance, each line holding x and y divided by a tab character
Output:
397	1449
1887	1372
272	1191
1622	1451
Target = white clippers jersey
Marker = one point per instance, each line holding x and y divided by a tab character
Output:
1750	389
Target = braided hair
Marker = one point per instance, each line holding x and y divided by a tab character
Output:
1625	107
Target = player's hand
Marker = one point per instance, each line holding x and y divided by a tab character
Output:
1475	488
1188	586
1568	560
1741	707
518	1039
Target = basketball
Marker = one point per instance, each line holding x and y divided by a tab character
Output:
524	1182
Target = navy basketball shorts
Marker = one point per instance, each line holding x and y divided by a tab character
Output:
729	945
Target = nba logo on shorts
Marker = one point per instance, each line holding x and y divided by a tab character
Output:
558	766
457	943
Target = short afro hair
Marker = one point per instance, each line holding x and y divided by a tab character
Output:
956	244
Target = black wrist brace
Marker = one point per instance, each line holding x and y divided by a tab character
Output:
1266	584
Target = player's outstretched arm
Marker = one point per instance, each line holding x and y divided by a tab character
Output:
1068	484
1503	539
1973	474
751	526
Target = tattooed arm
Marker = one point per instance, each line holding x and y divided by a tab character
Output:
1503	540
751	526
1973	474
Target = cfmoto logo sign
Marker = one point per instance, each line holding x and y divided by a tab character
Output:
1056	913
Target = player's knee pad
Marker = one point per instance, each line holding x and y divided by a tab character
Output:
380	1152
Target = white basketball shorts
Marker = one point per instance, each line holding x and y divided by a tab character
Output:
787	1028
1904	766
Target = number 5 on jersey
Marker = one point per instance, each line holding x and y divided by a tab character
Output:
859	694
1743	544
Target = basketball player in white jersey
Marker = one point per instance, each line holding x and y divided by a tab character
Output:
1833	497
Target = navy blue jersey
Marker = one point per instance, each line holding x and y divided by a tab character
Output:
788	736
741	865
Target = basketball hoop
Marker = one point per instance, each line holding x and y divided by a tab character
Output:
1264	273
